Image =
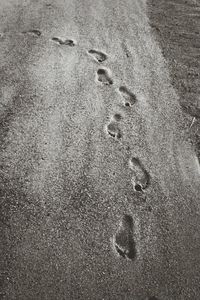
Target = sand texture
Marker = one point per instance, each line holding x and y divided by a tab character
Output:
99	150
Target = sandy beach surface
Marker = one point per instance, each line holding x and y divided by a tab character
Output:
99	150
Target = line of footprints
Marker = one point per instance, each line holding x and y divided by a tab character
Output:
140	177
123	240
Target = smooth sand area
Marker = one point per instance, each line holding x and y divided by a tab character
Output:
99	170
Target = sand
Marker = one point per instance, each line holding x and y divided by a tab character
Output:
99	154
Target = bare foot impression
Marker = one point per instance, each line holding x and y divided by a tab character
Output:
123	240
98	55
34	32
117	117
140	177
104	76
113	130
129	97
66	42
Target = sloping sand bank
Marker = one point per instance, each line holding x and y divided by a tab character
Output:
99	182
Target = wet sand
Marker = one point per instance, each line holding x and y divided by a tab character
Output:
99	163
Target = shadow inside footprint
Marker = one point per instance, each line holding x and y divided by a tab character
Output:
128	96
104	76
98	55
34	32
140	177
117	117
66	42
123	239
127	251
113	130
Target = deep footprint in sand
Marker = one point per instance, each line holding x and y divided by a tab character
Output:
34	32
117	117
66	42
98	55
123	240
128	96
140	178
104	76
113	130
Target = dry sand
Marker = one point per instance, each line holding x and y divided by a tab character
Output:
99	162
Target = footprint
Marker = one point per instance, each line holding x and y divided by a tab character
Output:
104	76
48	5
117	117
140	177
66	42
113	130
128	96
34	32
98	55
152	298
124	243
